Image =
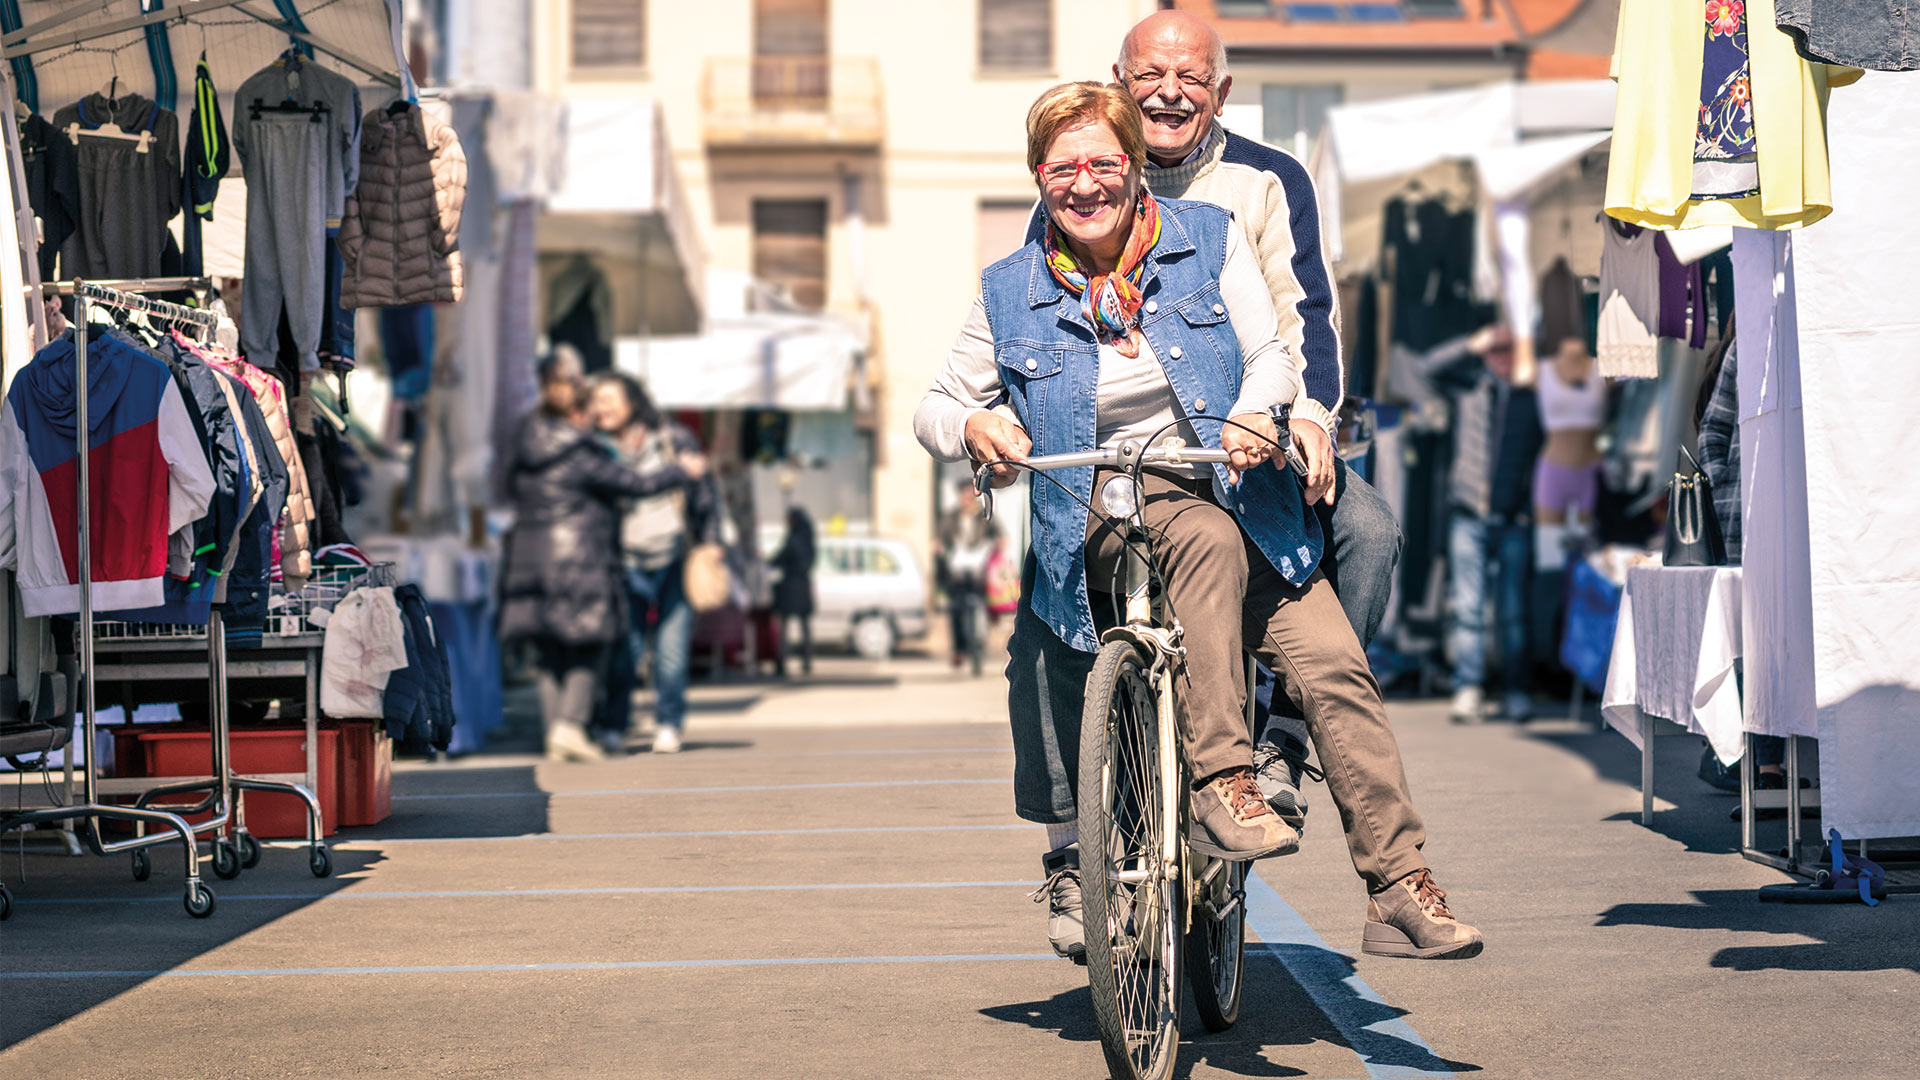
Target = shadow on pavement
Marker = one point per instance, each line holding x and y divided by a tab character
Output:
1276	1014
1698	819
88	918
1853	937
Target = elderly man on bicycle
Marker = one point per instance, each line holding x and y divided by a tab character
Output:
1126	319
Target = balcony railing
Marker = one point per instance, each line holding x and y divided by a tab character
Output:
794	101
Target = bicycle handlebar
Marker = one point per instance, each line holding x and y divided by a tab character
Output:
1127	454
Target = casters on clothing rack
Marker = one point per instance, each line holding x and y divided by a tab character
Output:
320	861
6	903
226	859
199	900
142	864
249	850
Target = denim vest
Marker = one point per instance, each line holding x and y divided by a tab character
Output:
1050	364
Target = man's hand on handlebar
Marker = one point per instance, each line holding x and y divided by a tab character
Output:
1248	450
991	437
1317	448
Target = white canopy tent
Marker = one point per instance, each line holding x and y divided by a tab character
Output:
1519	137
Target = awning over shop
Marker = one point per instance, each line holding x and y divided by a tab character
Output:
795	362
63	50
620	198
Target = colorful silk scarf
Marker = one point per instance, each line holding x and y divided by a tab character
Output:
1111	302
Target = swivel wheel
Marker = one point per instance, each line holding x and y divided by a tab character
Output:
320	861
142	864
249	851
199	900
6	903
226	859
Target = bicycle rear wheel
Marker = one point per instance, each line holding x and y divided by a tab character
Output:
1216	943
1132	907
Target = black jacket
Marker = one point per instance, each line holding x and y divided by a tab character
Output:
563	579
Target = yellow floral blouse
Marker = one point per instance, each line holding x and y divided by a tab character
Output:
1657	61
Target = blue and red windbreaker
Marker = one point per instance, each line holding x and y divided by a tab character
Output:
148	477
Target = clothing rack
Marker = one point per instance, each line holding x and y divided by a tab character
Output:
199	898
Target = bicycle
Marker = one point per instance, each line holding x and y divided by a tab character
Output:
1151	905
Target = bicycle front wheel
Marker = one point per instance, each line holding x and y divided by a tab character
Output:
1132	906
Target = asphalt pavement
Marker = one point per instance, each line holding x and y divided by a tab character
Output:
830	882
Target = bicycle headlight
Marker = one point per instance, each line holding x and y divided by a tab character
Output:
1117	497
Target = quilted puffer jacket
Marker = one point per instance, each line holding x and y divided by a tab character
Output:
400	236
296	564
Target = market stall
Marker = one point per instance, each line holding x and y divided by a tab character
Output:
178	532
1796	154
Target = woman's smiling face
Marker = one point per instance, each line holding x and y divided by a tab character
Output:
1096	215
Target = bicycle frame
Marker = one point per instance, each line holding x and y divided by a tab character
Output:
1146	622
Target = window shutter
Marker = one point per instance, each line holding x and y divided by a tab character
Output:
1016	35
609	33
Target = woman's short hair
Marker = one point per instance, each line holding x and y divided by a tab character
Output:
1072	104
638	400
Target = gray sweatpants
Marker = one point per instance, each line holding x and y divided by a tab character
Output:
286	238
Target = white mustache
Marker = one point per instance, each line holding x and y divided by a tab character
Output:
1157	103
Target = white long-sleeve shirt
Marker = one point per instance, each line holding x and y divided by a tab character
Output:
1134	399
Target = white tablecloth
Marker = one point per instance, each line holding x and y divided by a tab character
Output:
1673	652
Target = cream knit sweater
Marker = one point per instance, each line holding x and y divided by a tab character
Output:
1272	198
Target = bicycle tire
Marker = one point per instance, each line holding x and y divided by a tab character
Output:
1216	948
1132	929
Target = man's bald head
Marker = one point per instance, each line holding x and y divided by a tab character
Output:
1174	27
1175	65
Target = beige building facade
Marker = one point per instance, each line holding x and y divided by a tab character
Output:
869	155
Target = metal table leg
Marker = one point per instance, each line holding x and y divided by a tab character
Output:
1647	722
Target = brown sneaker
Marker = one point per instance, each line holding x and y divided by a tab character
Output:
1232	821
1410	919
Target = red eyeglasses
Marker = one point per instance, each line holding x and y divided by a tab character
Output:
1100	167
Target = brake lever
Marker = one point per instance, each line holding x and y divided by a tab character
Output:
983	485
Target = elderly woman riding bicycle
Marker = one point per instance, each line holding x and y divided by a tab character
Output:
1130	319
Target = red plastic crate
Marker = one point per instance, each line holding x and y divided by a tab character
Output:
270	815
366	772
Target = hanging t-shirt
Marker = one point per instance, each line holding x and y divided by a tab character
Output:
1629	303
126	196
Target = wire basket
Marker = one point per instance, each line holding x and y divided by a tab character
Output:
288	614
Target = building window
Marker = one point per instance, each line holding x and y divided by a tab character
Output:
1432	9
790	68
1016	35
790	247
609	33
1257	9
1292	116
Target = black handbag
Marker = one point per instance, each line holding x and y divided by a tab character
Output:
1693	526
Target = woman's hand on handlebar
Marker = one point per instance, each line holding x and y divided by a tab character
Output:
991	437
1248	450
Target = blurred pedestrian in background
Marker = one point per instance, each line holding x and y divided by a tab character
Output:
656	532
960	570
793	593
1497	439
561	590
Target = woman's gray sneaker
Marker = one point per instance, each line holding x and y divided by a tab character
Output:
1279	769
1066	928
